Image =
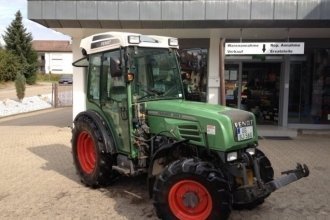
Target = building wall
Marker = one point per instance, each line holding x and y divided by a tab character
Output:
79	81
58	63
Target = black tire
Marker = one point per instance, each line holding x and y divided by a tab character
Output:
266	174
93	165
207	188
266	169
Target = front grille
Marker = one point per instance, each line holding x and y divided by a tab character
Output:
190	132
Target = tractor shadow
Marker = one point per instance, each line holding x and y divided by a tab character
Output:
132	197
129	193
58	158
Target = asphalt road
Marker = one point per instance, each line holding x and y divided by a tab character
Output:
59	117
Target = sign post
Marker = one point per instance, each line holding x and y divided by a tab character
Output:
267	48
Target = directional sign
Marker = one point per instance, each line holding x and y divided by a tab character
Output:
268	48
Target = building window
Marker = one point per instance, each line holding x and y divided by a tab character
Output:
194	73
309	97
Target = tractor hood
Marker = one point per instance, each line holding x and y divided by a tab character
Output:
221	128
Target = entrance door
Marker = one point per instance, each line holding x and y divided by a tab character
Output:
254	86
233	84
260	91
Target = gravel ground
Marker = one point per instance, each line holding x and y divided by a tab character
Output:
28	104
37	97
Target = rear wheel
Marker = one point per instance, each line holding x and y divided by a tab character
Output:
93	165
191	189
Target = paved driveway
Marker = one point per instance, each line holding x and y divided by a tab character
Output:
58	117
38	180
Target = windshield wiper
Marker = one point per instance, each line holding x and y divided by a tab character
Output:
154	91
150	92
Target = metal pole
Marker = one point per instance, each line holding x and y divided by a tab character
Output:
222	72
53	94
56	95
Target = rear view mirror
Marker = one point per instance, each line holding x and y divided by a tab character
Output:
82	62
115	68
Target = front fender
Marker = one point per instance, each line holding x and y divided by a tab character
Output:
161	152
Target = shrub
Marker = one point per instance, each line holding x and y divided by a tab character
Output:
9	66
19	41
20	86
29	73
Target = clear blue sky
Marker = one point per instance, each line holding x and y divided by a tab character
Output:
39	32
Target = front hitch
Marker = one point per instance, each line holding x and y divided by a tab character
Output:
288	177
248	193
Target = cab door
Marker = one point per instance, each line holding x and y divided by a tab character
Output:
114	102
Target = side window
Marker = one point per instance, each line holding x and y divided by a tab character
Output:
116	86
140	79
94	77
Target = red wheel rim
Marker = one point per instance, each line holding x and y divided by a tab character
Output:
86	152
190	200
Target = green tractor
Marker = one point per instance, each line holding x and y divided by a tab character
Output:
200	159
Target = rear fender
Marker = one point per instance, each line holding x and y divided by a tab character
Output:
106	131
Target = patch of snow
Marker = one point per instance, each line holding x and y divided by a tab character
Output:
28	104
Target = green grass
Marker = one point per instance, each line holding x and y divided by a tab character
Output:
48	77
41	77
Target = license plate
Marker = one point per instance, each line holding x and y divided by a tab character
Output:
244	133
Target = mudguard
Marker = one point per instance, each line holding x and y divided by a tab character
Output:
159	153
103	127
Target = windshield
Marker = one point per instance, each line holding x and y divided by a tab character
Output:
156	74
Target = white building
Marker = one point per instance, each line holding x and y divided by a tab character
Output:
55	57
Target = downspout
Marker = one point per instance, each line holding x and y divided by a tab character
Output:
222	90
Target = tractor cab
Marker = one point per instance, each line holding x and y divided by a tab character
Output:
125	69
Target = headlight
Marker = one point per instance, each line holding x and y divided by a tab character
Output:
251	151
173	42
232	156
133	39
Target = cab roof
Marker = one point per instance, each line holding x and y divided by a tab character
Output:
112	40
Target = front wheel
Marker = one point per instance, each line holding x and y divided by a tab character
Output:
190	189
266	169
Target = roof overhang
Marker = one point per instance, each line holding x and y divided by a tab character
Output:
180	14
